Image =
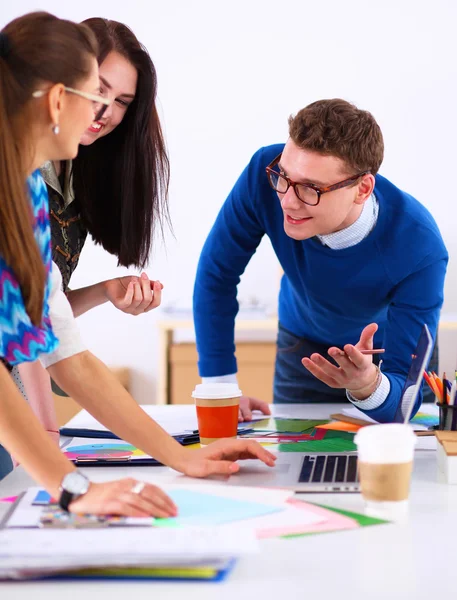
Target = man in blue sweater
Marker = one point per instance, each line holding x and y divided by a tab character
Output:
364	265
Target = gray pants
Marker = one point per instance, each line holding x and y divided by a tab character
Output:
6	464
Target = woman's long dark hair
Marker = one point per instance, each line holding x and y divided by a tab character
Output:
121	180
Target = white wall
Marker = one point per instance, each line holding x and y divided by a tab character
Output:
229	76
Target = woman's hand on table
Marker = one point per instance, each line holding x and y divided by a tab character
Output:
219	457
120	498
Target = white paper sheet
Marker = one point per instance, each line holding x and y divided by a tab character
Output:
26	515
168	419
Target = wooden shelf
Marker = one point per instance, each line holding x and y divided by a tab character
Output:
168	326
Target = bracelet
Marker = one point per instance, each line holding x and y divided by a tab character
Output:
376	382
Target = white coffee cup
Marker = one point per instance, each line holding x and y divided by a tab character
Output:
386	454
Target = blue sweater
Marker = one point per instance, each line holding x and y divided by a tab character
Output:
394	277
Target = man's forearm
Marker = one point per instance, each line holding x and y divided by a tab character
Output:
27	441
86	298
88	381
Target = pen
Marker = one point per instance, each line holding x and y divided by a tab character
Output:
373	351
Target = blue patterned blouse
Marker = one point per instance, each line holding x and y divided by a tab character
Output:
20	340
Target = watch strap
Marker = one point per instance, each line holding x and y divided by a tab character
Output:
65	499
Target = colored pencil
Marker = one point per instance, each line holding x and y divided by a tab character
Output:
431	382
439	385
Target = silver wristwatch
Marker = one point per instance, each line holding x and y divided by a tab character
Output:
73	485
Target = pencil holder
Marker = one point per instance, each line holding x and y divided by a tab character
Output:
448	417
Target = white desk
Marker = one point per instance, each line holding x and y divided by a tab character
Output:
380	562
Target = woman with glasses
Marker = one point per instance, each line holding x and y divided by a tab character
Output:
23	277
47	95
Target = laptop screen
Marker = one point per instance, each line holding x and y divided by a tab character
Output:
421	358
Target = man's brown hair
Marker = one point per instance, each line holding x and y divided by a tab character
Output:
338	128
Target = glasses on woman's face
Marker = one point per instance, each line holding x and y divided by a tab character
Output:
100	104
306	192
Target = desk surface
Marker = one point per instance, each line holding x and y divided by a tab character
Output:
414	560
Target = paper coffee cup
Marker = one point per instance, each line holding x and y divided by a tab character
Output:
217	407
386	454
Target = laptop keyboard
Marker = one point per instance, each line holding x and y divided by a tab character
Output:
329	468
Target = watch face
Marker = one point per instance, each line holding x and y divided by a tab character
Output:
75	483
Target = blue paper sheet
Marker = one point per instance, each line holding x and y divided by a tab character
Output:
197	508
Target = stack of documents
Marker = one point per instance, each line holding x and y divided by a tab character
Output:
215	525
29	553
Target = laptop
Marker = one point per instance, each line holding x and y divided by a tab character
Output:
332	472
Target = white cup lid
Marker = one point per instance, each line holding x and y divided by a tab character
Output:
216	391
386	432
386	443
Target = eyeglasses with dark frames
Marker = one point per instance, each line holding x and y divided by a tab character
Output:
308	193
100	104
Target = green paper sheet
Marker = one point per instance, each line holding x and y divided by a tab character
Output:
288	425
362	520
333	441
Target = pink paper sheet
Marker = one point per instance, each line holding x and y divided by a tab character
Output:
330	521
9	499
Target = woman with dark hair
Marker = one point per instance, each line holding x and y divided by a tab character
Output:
116	189
48	96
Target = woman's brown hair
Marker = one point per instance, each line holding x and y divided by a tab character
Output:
34	49
121	180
